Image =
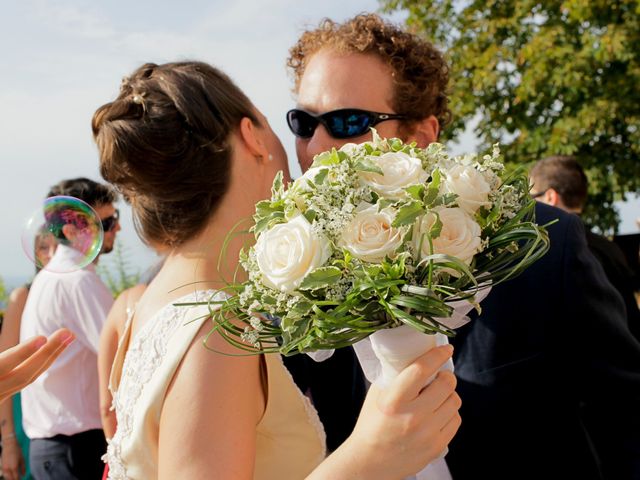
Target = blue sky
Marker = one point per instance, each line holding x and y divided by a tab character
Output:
62	59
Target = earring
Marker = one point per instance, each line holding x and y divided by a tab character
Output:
270	157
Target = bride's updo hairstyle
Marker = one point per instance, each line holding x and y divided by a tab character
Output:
165	143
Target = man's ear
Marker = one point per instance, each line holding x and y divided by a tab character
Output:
551	197
253	140
425	131
69	231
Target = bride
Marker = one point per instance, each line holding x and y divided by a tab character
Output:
192	155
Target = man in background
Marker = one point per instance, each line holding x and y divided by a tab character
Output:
61	410
561	182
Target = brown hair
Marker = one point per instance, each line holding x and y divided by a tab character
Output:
565	175
420	73
94	193
164	142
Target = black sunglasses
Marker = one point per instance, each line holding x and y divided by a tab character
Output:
109	223
345	123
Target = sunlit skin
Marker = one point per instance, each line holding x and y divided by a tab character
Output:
333	81
45	247
105	211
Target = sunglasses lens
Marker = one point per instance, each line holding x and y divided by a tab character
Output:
110	222
347	124
301	123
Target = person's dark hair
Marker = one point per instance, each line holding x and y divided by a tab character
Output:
565	175
93	193
165	143
420	72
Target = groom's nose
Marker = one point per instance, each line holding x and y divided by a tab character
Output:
320	141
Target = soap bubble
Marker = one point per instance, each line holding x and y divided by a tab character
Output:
62	221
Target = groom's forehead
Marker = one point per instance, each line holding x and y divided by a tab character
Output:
334	80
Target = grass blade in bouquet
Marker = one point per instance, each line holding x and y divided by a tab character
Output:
377	236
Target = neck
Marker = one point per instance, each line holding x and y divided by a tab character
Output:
210	258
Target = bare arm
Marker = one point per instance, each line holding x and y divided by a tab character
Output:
106	353
209	418
109	338
13	463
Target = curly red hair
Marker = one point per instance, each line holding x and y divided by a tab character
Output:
420	73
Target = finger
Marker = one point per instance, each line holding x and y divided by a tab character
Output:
438	391
14	356
10	473
448	410
408	384
451	428
37	362
57	342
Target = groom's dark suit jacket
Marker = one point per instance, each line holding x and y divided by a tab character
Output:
549	373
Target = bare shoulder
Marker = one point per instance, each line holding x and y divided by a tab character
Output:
19	295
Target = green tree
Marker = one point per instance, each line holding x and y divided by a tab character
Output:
543	78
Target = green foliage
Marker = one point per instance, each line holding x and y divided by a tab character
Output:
3	293
545	78
115	270
4	299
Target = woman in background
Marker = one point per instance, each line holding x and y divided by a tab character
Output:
15	444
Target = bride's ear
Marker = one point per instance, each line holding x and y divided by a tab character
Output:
252	138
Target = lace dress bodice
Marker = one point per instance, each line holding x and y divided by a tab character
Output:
145	365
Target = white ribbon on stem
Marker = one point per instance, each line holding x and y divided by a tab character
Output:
385	353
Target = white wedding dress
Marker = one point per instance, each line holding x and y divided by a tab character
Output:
290	439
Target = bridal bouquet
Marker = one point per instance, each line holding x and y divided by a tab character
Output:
375	236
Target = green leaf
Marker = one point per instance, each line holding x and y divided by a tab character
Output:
321	278
310	215
408	213
277	189
327	158
433	188
366	165
415	191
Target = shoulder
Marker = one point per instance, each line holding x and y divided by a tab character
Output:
19	295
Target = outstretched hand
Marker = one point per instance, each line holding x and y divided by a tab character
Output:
22	364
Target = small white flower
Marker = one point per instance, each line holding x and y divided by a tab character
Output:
459	237
399	172
470	185
288	252
370	236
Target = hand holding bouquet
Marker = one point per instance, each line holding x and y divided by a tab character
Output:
376	236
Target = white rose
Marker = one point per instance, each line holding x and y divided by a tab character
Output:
399	172
460	235
288	252
470	185
370	236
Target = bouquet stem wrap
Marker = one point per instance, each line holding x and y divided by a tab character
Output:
384	354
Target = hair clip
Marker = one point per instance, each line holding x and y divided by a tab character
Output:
137	98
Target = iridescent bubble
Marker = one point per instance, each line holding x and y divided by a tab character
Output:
65	223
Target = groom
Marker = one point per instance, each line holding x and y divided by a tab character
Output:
326	83
549	374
